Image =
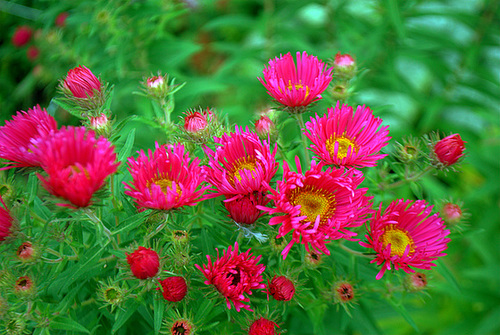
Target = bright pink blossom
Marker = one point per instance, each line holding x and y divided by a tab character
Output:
234	274
345	138
165	179
318	206
240	164
296	85
144	263
76	164
406	235
5	221
82	83
18	134
449	150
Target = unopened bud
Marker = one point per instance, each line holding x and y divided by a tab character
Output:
312	259
182	327
415	282
144	263
449	150
281	288
344	66
264	126
173	289
262	326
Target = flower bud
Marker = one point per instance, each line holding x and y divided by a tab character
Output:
449	150
32	53
451	213
155	81
243	209
174	289
21	36
281	288
409	150
24	286
196	122
264	126
180	236
262	327
5	221
339	92
182	327
144	263
343	61
344	66
312	259
343	292
81	83
61	19
415	282
26	252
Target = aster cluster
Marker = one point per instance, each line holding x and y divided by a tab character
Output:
165	211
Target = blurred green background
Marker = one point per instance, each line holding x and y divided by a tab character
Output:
424	66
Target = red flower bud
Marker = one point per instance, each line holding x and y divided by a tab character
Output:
81	82
451	213
25	251
281	288
197	121
243	209
449	149
416	281
144	263
174	288
343	61
264	125
21	36
262	327
61	19
155	81
32	53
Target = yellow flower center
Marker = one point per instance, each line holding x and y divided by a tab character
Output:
344	143
313	201
164	184
244	163
398	239
76	170
298	86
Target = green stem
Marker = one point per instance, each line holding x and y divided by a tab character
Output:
158	229
354	252
409	178
100	226
302	128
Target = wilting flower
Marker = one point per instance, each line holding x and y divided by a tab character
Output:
451	213
76	164
197	121
24	286
60	20
415	282
450	149
242	208
17	135
81	83
174	289
405	235
234	274
281	288
5	221
165	179
343	292
181	327
296	85
318	206
144	262
240	164
262	326
349	139
25	251
21	36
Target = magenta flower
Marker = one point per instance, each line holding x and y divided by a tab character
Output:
165	179
234	274
345	138
18	134
144	262
243	208
318	206
76	164
5	221
449	150
405	235
296	85
240	164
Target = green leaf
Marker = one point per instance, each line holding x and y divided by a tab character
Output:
446	273
404	313
130	223
65	323
159	309
127	147
123	315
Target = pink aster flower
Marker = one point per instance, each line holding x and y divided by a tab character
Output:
5	221
296	85
345	138
405	235
318	206
165	179
81	82
16	136
240	164
234	274
76	164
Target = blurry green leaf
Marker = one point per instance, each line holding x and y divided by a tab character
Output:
123	315
65	323
404	313
127	147
446	273
159	309
490	324
130	223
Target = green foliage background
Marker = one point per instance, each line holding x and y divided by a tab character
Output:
425	65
